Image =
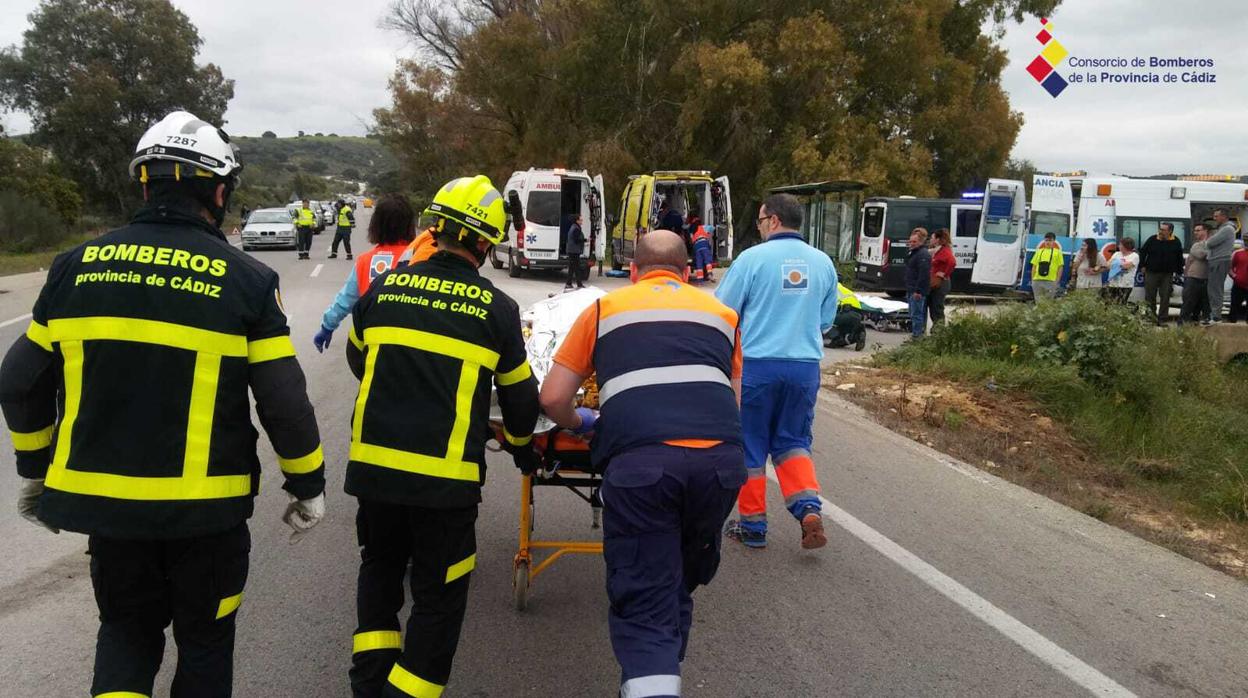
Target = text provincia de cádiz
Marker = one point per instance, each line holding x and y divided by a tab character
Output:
1150	62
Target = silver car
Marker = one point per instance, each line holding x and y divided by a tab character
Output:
269	227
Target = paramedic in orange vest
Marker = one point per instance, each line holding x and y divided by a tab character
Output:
390	229
668	364
703	253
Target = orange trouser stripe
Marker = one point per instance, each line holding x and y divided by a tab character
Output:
795	474
752	500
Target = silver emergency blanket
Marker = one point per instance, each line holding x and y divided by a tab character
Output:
545	324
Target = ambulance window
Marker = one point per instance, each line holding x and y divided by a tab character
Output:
968	223
905	217
873	221
1043	222
543	207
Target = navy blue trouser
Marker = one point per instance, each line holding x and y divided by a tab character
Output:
664	508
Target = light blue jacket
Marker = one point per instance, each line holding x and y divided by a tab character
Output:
342	305
785	293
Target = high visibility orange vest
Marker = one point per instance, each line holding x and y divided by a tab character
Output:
376	262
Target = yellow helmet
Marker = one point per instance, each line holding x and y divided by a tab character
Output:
474	204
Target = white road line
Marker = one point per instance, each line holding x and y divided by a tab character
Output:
1038	645
316	271
15	320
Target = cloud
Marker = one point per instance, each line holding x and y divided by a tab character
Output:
315	67
1136	129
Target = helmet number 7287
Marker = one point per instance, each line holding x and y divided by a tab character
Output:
181	140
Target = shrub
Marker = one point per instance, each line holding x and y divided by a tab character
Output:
27	225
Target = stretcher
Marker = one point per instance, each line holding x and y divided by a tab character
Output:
884	315
565	461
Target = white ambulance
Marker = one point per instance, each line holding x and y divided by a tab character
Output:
552	199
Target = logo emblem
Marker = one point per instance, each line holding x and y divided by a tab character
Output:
796	277
1100	227
380	264
1043	67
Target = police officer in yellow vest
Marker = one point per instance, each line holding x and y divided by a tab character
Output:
127	403
1046	268
346	221
305	227
427	341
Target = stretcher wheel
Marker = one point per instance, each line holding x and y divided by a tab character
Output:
520	584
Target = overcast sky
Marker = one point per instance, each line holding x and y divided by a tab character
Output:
331	82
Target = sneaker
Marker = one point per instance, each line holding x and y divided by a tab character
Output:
332	256
812	529
349	256
862	341
747	537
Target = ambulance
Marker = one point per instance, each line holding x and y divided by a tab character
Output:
692	193
552	199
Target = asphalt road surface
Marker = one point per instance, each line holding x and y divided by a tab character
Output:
938	579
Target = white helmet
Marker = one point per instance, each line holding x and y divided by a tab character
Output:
182	137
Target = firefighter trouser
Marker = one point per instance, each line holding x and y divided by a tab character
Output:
663	509
343	235
441	546
303	240
777	409
143	585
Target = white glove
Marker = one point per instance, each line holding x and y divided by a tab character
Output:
27	498
303	514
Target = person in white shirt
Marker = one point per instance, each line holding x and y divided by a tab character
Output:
1088	266
1122	268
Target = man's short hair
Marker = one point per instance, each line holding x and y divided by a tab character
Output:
1200	225
787	208
1050	235
1168	226
1216	211
660	250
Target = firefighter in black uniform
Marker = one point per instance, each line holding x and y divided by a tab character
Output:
144	342
427	340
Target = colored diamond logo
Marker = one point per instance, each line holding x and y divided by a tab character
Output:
1054	84
1055	53
1039	68
1044	36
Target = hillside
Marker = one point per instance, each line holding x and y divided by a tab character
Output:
344	157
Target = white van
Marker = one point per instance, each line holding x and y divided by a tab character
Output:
551	198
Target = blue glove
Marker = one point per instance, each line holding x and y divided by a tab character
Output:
321	338
588	419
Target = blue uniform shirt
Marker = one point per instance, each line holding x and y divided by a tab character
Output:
785	293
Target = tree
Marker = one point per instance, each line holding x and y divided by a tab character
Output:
352	174
301	134
319	134
95	74
902	94
268	134
35	175
317	167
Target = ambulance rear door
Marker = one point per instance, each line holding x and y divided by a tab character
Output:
1002	234
721	205
597	223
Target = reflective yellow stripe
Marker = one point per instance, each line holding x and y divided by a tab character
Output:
414	462
306	464
434	343
149	332
229	605
39	335
517	374
148	489
199	418
121	694
468	375
412	684
199	430
461	568
376	640
366	384
32	441
355	339
269	349
516	440
71	369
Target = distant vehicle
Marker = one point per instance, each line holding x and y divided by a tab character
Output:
269	227
691	192
328	214
551	199
368	203
885	230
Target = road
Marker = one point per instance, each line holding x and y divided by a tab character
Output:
938	579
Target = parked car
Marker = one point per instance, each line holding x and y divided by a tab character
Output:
269	227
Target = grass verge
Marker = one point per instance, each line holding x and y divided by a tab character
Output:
1133	425
11	263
